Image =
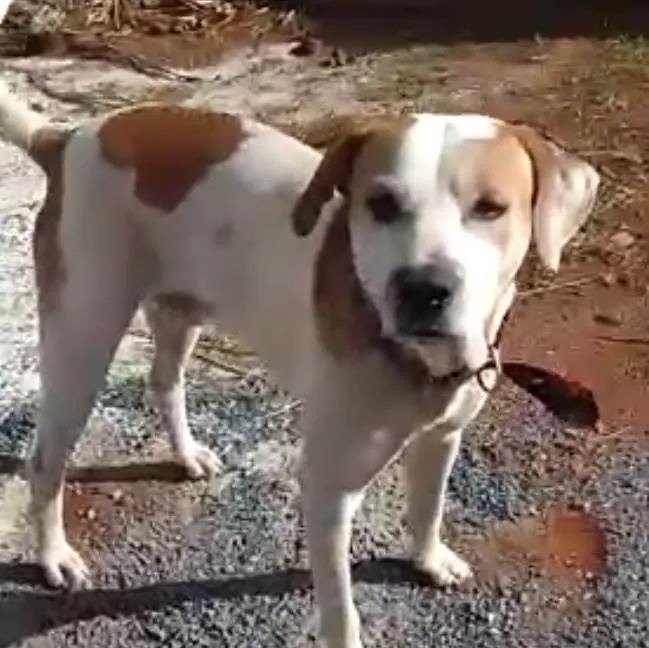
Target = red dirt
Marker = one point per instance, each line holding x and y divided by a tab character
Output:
572	541
88	514
565	546
100	503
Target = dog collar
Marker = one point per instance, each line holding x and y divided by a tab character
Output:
409	362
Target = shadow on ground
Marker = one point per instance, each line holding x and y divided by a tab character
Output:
36	612
155	471
382	25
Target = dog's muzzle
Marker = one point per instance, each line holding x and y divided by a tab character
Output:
410	358
421	296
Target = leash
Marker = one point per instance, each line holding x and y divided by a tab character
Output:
494	362
409	360
569	401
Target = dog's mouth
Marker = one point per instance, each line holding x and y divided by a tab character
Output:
427	335
417	356
419	360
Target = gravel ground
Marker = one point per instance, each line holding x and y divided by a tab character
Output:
223	563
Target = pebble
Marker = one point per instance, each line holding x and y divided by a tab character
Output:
610	319
117	496
622	239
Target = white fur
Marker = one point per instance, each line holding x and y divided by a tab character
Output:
358	415
436	230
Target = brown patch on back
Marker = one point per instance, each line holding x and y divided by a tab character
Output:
170	148
47	148
346	320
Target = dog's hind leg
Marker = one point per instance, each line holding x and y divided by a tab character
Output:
80	330
175	335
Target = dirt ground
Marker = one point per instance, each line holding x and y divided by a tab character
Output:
576	70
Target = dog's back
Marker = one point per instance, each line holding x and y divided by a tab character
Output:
192	201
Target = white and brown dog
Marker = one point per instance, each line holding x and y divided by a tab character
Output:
372	280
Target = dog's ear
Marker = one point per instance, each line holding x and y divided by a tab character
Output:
334	172
564	194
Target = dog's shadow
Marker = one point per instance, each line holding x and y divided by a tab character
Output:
31	609
153	471
27	613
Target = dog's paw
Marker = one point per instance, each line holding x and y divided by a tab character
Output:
64	568
199	461
444	566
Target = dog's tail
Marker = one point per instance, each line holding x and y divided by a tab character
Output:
33	132
18	122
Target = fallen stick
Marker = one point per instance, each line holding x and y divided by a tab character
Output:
623	340
555	286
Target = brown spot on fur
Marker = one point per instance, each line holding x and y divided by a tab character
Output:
335	170
544	163
557	213
47	148
346	320
190	308
170	148
504	175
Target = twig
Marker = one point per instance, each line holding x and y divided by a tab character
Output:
556	286
220	364
108	52
623	340
117	17
210	344
287	409
71	96
618	155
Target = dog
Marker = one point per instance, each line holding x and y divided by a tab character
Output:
372	279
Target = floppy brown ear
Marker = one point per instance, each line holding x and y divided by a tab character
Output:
333	173
565	192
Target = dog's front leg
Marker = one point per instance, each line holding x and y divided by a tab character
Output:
329	512
429	460
343	452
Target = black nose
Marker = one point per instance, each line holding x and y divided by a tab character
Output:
422	294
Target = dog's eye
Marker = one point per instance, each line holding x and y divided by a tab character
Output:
488	209
384	206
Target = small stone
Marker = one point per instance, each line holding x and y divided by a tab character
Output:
610	319
622	239
117	496
305	46
91	514
607	278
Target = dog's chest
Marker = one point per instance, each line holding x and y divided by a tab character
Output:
463	406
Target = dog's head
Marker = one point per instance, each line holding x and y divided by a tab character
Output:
439	214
